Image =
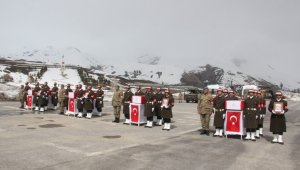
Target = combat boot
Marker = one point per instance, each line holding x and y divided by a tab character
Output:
36	108
280	139
127	122
42	109
217	132
248	136
159	122
257	134
89	115
79	115
261	131
221	133
275	139
253	136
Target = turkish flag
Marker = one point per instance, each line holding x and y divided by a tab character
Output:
29	101
71	105
134	114
233	121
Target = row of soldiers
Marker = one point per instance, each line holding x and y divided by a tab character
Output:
84	98
254	113
158	103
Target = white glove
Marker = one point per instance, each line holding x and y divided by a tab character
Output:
261	116
214	110
282	112
256	116
223	116
273	111
152	109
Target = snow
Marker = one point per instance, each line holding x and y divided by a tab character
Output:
53	75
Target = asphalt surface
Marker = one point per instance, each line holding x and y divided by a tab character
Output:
31	140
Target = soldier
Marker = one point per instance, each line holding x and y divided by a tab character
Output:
180	97
99	100
116	103
278	107
45	86
158	96
205	110
166	111
138	91
43	99
89	102
80	100
126	102
262	112
36	95
149	97
27	87
61	98
219	110
67	95
251	116
231	95
54	95
225	93
21	96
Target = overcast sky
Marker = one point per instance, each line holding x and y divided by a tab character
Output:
180	31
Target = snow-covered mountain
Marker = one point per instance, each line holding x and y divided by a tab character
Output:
155	68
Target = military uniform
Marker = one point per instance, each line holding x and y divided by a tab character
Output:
89	103
251	116
80	102
54	96
61	100
36	96
116	103
166	111
157	106
261	112
66	101
126	104
21	96
26	88
278	122
205	110
219	109
139	93
148	113
99	100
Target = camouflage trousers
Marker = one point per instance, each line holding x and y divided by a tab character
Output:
62	106
117	111
205	118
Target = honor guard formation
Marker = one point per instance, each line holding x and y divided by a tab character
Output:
154	107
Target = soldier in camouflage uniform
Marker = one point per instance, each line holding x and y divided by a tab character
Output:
66	101
54	95
89	102
148	113
117	103
205	110
61	99
80	100
99	100
126	103
219	110
277	121
26	88
158	96
251	115
21	96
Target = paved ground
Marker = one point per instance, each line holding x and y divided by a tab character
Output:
29	140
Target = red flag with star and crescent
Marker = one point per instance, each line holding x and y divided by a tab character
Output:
234	123
71	105
29	101
134	114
